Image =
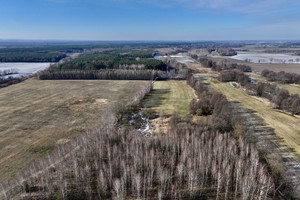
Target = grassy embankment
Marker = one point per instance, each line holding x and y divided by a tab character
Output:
35	115
169	97
285	125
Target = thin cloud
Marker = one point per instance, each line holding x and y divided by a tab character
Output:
239	6
261	7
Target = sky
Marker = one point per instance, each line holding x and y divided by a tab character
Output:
150	19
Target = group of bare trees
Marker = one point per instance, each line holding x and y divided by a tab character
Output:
8	71
115	74
281	98
223	65
222	116
281	77
178	67
4	82
186	163
234	75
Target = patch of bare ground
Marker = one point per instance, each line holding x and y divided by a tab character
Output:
198	68
160	125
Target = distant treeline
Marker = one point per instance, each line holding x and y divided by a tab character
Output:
281	77
223	51
30	55
115	74
62	46
115	59
8	71
4	82
222	66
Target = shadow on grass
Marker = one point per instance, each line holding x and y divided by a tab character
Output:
267	142
156	98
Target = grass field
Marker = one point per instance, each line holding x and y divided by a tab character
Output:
35	115
285	125
170	96
257	77
292	88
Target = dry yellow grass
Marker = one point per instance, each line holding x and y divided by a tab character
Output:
169	97
35	115
292	88
286	126
256	77
197	67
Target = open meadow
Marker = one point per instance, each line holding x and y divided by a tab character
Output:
169	97
35	115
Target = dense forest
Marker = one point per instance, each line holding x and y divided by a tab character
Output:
30	55
114	59
110	64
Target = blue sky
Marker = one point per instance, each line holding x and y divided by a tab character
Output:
150	19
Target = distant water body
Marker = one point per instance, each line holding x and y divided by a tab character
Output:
267	58
23	69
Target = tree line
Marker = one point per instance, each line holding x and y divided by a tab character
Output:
115	74
281	77
4	82
208	63
114	59
8	72
31	57
223	117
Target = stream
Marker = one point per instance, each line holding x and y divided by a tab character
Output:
138	120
